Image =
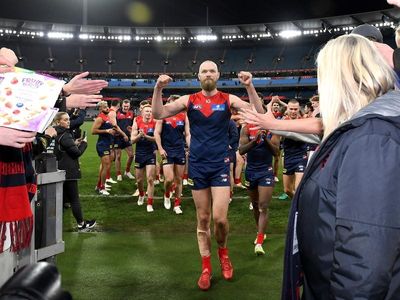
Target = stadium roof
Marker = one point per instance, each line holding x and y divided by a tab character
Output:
180	13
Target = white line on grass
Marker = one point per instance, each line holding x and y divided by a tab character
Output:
130	196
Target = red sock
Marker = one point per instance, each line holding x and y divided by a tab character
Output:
99	183
149	201
167	194
206	262
177	202
119	173
231	193
161	171
237	180
102	187
260	238
222	251
185	176
108	175
173	187
141	193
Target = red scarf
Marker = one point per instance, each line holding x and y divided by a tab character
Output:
17	188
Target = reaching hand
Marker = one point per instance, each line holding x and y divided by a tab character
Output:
245	78
80	85
394	2
8	60
261	121
163	81
82	101
15	138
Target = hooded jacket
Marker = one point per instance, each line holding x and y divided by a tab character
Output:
346	212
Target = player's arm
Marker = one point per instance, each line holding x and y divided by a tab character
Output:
157	137
273	144
96	127
245	145
187	132
135	135
246	79
112	115
161	111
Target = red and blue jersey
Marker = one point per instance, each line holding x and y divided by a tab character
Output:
172	134
105	139
259	158
124	120
143	145
294	148
209	118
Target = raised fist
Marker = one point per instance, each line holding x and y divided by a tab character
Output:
163	81
245	78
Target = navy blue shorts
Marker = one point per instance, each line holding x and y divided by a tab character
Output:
174	160
119	143
260	178
103	150
205	176
142	161
295	164
232	156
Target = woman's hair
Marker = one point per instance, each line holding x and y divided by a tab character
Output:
351	74
58	117
397	37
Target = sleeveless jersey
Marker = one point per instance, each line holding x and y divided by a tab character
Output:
124	120
144	146
259	158
293	148
209	124
105	139
172	134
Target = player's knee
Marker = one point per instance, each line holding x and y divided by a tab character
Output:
150	180
220	222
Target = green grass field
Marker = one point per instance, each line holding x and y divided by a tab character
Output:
136	255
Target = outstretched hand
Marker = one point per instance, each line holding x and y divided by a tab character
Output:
80	85
8	60
261	121
15	138
82	101
394	2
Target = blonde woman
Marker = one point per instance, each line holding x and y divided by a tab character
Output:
68	151
347	217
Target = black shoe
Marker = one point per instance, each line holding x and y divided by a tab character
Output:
87	224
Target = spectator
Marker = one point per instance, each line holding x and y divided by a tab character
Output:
68	151
347	221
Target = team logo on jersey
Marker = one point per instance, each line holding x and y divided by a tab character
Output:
218	107
150	130
226	160
197	106
180	123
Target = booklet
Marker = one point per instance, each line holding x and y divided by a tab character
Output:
27	99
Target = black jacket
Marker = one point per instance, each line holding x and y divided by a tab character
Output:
348	203
67	153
